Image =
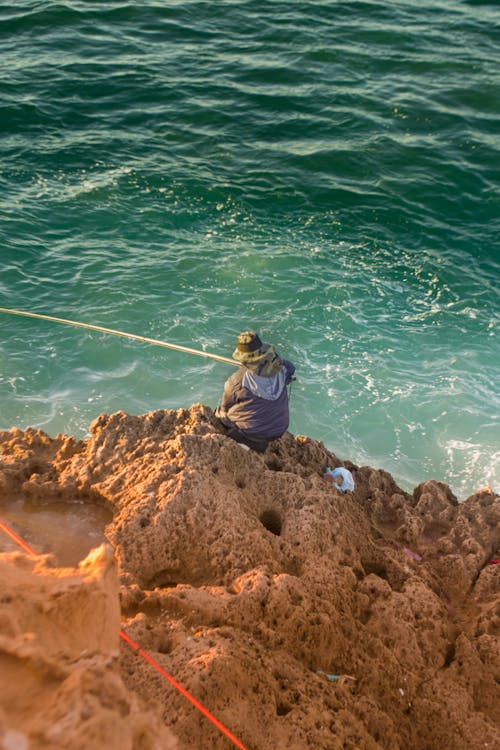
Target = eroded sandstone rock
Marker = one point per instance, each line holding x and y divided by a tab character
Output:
250	580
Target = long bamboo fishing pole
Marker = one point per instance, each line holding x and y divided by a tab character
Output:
101	329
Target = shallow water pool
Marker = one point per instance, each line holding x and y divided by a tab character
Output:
67	529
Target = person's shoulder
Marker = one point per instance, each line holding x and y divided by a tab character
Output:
236	377
289	366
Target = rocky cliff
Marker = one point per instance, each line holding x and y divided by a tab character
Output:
301	617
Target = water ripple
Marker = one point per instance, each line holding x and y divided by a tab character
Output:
326	173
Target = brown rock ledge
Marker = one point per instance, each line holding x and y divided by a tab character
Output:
250	580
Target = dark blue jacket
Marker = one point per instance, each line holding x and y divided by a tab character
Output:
256	404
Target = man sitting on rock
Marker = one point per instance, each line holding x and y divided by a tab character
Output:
254	405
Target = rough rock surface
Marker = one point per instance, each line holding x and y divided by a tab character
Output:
60	681
252	582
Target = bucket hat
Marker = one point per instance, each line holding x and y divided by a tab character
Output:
250	349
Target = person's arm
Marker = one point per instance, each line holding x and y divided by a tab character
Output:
290	369
228	398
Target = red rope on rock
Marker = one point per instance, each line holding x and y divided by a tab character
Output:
133	645
17	539
181	689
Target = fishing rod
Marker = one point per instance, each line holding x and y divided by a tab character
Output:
101	329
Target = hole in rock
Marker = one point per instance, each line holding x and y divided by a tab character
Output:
273	464
164	579
166	646
67	529
271	521
282	709
450	655
376	568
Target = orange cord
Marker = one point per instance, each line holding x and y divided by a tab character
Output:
133	645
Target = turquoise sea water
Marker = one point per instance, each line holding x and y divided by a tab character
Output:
327	173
